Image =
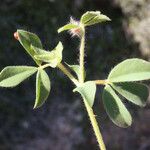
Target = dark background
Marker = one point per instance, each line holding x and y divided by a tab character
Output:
62	123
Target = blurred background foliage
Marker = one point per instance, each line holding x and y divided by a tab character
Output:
62	123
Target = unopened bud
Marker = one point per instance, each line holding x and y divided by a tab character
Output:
16	36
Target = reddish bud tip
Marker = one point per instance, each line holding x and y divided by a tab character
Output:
16	36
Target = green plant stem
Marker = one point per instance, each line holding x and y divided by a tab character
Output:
88	108
95	126
68	74
44	66
101	82
82	47
64	70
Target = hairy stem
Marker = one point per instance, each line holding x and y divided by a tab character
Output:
88	108
82	47
68	74
95	126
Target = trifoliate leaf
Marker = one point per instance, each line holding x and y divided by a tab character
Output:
13	75
42	88
53	57
115	108
27	39
93	17
130	70
87	91
137	93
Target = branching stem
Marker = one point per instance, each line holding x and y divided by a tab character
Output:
81	81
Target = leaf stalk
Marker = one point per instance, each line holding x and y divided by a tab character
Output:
68	74
101	82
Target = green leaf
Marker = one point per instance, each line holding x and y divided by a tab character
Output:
39	51
115	108
27	39
130	70
53	57
88	16
42	88
67	27
135	92
93	17
87	91
11	76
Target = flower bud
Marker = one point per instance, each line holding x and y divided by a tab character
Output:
16	36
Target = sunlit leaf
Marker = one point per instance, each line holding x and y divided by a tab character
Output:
130	70
42	88
87	91
115	108
27	39
135	92
93	17
13	75
89	15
